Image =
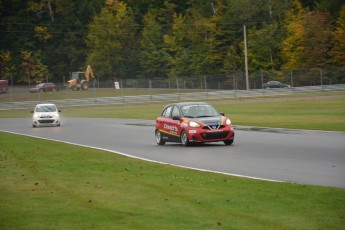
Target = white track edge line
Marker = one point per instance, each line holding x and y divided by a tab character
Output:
148	160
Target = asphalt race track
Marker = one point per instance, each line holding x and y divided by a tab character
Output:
305	157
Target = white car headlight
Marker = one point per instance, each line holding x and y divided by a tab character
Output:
193	124
228	122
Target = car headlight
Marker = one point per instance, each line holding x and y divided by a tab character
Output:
193	124
228	122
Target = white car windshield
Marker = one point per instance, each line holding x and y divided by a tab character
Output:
198	110
46	108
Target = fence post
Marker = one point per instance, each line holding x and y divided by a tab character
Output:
177	86
291	78
150	88
205	83
321	77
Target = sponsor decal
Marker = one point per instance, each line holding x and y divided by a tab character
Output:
192	131
172	128
195	105
169	133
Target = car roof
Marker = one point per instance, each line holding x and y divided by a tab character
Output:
187	103
46	104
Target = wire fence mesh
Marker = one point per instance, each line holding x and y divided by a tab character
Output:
123	90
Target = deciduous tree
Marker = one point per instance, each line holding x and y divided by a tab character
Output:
32	68
338	51
111	41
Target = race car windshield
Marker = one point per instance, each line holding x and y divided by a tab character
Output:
198	110
46	108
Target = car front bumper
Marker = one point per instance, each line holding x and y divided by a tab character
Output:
46	121
201	135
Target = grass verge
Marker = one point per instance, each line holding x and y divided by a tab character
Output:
50	185
314	112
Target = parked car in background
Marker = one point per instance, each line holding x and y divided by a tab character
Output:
275	84
45	115
3	86
188	122
43	87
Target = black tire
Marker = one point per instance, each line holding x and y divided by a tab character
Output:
184	138
159	138
33	126
230	141
84	85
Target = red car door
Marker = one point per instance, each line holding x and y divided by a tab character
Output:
167	124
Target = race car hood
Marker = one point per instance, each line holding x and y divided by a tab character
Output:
45	114
210	121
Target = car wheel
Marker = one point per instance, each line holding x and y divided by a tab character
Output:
33	126
159	138
184	138
230	141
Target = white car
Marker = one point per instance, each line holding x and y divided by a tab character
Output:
45	115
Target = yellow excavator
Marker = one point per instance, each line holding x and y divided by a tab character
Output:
81	80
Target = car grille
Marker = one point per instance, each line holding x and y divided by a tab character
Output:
210	127
215	135
47	116
48	121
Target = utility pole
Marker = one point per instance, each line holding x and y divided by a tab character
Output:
246	56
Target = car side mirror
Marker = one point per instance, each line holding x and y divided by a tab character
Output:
223	114
176	118
59	111
32	111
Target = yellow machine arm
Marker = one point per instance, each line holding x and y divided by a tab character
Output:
89	73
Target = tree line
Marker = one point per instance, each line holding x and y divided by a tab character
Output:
148	39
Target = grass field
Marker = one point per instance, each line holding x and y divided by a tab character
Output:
49	185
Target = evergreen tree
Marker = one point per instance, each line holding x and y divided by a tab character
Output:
175	48
152	58
264	45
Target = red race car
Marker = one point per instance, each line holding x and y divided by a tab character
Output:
193	122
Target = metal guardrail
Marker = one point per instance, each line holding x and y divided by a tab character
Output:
194	96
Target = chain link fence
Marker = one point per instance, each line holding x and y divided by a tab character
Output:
178	85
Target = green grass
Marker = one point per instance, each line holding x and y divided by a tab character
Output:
302	112
328	114
50	185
